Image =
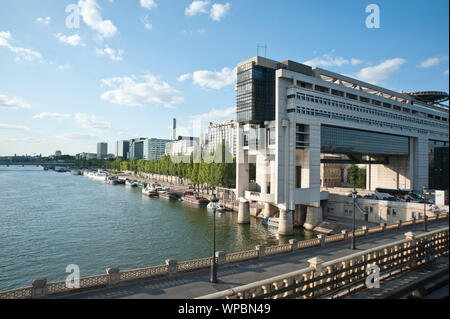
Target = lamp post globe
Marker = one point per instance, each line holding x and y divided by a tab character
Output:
213	278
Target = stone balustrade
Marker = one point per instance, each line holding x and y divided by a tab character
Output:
349	274
114	276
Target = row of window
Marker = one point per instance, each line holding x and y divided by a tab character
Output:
355	119
357	108
366	100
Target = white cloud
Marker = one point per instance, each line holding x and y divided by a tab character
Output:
148	4
429	63
145	21
45	20
11	103
215	79
115	55
25	53
13	127
64	67
89	10
147	91
329	60
73	40
197	7
218	11
53	116
91	122
380	72
184	77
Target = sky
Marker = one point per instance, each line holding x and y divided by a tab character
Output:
77	72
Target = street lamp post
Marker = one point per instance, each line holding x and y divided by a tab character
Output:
213	278
425	217
354	194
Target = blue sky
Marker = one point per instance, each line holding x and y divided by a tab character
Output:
133	65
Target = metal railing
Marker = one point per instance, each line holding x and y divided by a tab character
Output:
172	266
346	275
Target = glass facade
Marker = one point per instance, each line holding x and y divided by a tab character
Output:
340	140
438	156
255	93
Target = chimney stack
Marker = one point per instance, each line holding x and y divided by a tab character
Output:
174	130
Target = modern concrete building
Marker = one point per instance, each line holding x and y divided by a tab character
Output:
122	149
154	148
86	156
289	113
185	145
58	153
222	132
136	148
102	150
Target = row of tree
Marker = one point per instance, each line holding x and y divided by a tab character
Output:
201	171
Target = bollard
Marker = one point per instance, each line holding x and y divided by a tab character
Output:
221	257
366	230
113	276
171	266
261	251
322	240
39	288
294	244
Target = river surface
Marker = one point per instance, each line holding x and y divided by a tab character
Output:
50	220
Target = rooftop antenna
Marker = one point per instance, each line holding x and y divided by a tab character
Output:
261	46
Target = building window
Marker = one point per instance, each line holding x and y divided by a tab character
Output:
298	177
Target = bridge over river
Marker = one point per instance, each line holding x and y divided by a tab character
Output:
396	248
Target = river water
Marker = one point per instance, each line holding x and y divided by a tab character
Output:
50	220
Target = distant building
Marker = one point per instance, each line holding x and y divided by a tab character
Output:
218	133
136	147
185	145
154	148
58	153
86	156
122	149
102	150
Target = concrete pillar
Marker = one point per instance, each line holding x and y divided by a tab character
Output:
261	251
313	217
244	212
39	288
113	276
286	224
322	240
266	210
171	266
344	232
294	244
221	257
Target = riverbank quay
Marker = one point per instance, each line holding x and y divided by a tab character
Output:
190	279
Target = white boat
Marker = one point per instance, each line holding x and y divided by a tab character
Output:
98	176
130	183
60	169
150	191
220	208
271	222
76	172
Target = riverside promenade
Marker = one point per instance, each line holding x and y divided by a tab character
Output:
194	284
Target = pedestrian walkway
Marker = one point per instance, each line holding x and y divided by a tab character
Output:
196	283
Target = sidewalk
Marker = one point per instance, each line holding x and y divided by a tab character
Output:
196	284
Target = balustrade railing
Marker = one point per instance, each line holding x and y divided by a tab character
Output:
346	275
106	280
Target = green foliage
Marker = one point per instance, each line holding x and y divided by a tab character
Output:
211	171
357	176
